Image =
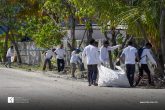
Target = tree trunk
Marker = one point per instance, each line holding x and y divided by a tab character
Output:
162	35
73	23
105	35
89	33
16	48
110	60
82	39
110	54
17	51
143	32
5	46
113	37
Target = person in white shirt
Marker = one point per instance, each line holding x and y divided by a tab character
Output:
92	56
48	56
146	55
10	53
74	60
60	55
104	55
129	56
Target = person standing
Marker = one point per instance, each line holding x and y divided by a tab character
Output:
129	56
10	53
48	56
104	55
92	56
60	55
74	60
146	55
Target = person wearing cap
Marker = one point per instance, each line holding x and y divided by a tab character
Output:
10	53
74	60
145	56
104	55
48	56
129	56
91	54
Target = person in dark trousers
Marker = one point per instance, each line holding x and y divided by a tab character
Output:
129	56
60	55
10	53
146	55
92	55
48	56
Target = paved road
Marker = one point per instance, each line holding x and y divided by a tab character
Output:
37	91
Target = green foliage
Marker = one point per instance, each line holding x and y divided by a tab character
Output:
43	31
119	39
121	12
25	19
46	30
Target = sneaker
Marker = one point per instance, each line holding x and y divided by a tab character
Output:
89	84
95	84
73	77
5	65
152	84
135	84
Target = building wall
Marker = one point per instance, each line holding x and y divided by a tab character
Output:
30	54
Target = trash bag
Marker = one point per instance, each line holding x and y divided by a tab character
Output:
113	78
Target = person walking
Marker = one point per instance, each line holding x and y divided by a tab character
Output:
104	55
10	53
129	56
144	57
60	55
48	56
91	54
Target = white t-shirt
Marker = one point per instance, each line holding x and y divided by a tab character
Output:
104	55
10	52
74	57
130	55
49	54
146	54
60	53
92	55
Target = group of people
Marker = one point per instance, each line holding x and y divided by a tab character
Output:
130	56
94	56
60	55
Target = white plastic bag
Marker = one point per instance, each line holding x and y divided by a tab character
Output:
114	78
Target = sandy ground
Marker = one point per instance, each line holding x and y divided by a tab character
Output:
45	91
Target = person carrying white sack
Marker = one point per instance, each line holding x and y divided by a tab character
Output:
144	57
104	55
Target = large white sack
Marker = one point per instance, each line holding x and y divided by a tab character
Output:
114	78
